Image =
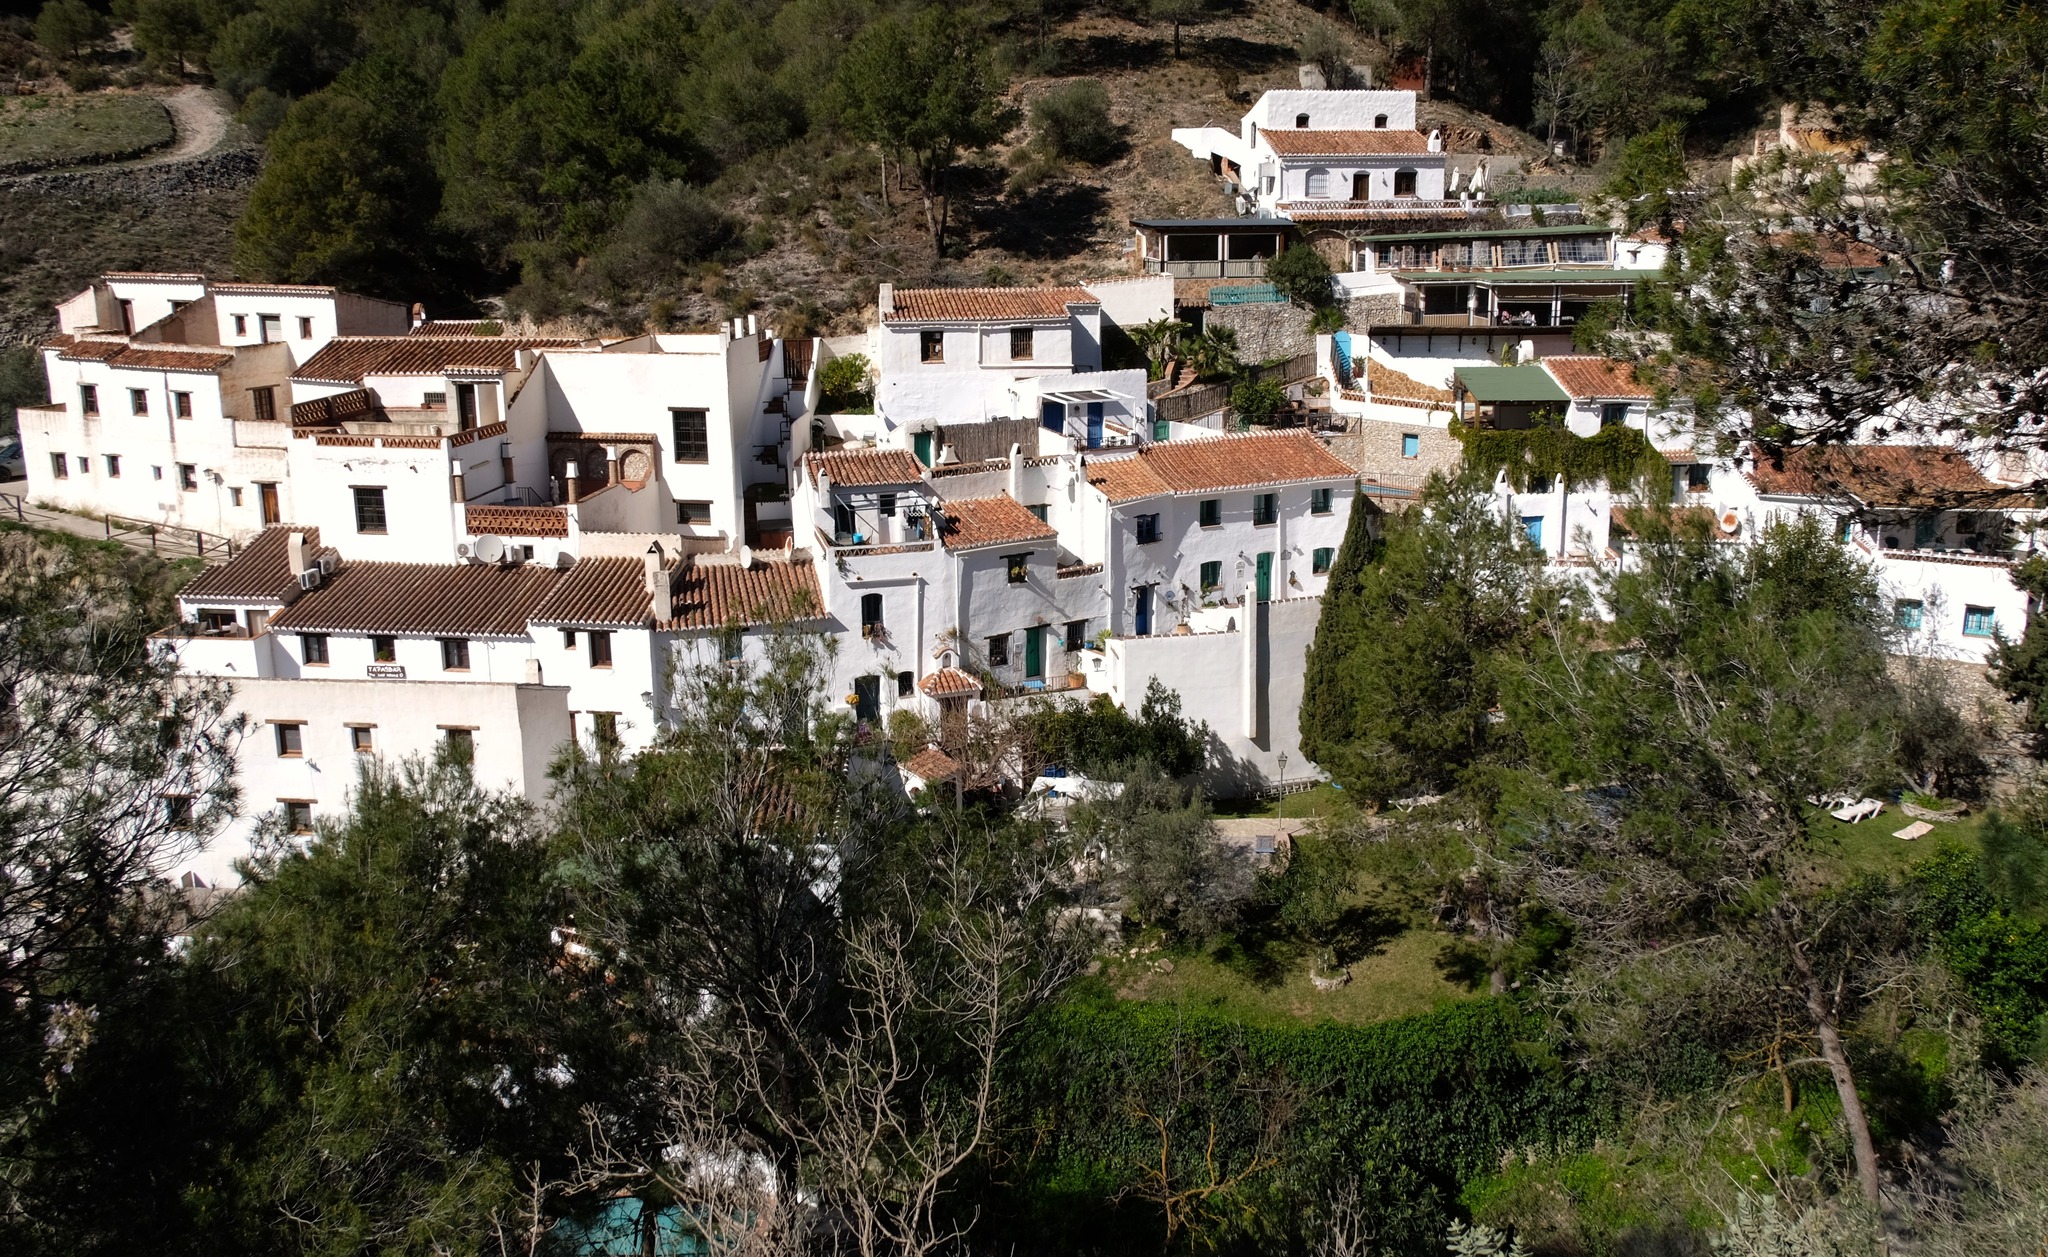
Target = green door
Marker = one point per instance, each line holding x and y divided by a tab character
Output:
921	443
1034	652
1265	576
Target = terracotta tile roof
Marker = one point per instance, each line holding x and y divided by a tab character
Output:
517	521
932	765
1588	375
1343	143
865	467
1388	384
156	358
1373	211
1832	248
261	571
1876	475
713	595
949	683
934	305
1217	464
447	327
975	522
1067	571
473	600
347	359
290	290
603	592
162	277
84	349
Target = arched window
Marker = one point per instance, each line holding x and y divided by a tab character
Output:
1379	122
1404	183
1318	183
1301	122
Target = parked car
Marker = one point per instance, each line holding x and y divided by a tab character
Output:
12	466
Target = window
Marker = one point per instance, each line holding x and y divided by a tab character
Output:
1925	528
1404	183
188	477
298	815
214	621
234	496
604	727
568	639
1979	622
1020	344
272	327
1212	576
181	405
999	651
138	401
113	466
1148	529
89	399
1265	508
1077	634
362	739
1907	613
1301	122
1212	512
178	811
931	345
887	508
1318	182
291	741
1613	414
1037	512
905	683
693	435
156	473
1847	532
870	615
461	744
313	648
1539	484
1379	122
1698	477
693	512
263	401
305	329
59	468
1319	501
384	649
241	325
1411	445
435	401
600	649
1018	566
1319	562
369	509
455	654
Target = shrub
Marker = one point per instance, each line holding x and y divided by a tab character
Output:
1257	401
85	78
262	112
844	381
1072	121
1327	319
1301	275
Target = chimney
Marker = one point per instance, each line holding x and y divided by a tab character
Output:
1016	473
1525	351
571	483
1436	141
753	325
522	359
419	314
295	547
660	604
532	671
886	300
460	488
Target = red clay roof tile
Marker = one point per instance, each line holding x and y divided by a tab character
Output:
1877	475
865	467
609	592
347	359
939	305
262	571
1589	375
989	521
1343	143
1216	464
711	595
475	600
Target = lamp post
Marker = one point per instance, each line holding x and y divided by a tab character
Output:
1283	785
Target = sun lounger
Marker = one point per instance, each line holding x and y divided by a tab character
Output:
1860	810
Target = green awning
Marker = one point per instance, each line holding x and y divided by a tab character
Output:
1528	383
1507	277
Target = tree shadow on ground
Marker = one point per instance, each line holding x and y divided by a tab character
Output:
1094	54
1246	56
1054	220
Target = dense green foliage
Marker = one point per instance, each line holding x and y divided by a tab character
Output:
1301	275
1618	456
1996	950
1102	739
1073	121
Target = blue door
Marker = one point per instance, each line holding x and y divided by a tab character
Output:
1053	416
1143	613
1094	425
1533	525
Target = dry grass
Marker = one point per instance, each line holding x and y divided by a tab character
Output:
40	129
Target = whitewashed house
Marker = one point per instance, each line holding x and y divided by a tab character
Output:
1316	153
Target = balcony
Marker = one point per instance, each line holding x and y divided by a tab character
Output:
1237	268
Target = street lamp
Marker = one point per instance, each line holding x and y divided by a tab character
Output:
1283	785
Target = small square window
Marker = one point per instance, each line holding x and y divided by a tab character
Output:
370	517
362	739
1077	634
59	468
1404	183
178	811
313	647
1319	501
1613	414
138	401
264	402
1265	508
384	649
600	649
234	495
298	815
113	466
188	477
1212	512
1020	344
156	473
692	435
1037	512
1320	561
461	744
887	506
568	639
1212	576
1411	445
241	325
1908	612
455	654
693	513
181	405
89	399
434	401
1698	477
999	651
305	329
1148	529
290	740
931	346
604	727
906	683
1018	566
1980	622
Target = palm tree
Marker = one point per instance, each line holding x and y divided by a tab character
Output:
1213	354
1158	339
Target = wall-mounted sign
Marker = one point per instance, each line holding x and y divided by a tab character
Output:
390	671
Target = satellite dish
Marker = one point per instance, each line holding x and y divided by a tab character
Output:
489	548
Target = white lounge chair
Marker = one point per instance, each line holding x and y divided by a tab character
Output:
1860	810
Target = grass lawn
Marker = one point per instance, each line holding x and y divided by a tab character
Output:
1393	979
1869	846
64	129
1319	800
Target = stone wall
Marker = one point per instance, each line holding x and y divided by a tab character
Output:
1381	309
1265	330
1373	446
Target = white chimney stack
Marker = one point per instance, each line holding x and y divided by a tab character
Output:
753	325
660	603
886	300
295	548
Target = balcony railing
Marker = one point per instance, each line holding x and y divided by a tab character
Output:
1237	268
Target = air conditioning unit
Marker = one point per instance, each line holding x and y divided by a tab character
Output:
328	564
310	578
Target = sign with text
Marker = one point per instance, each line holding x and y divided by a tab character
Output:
390	671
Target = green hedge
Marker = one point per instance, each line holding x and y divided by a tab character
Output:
1409	1109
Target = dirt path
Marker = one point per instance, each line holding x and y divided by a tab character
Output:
201	116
